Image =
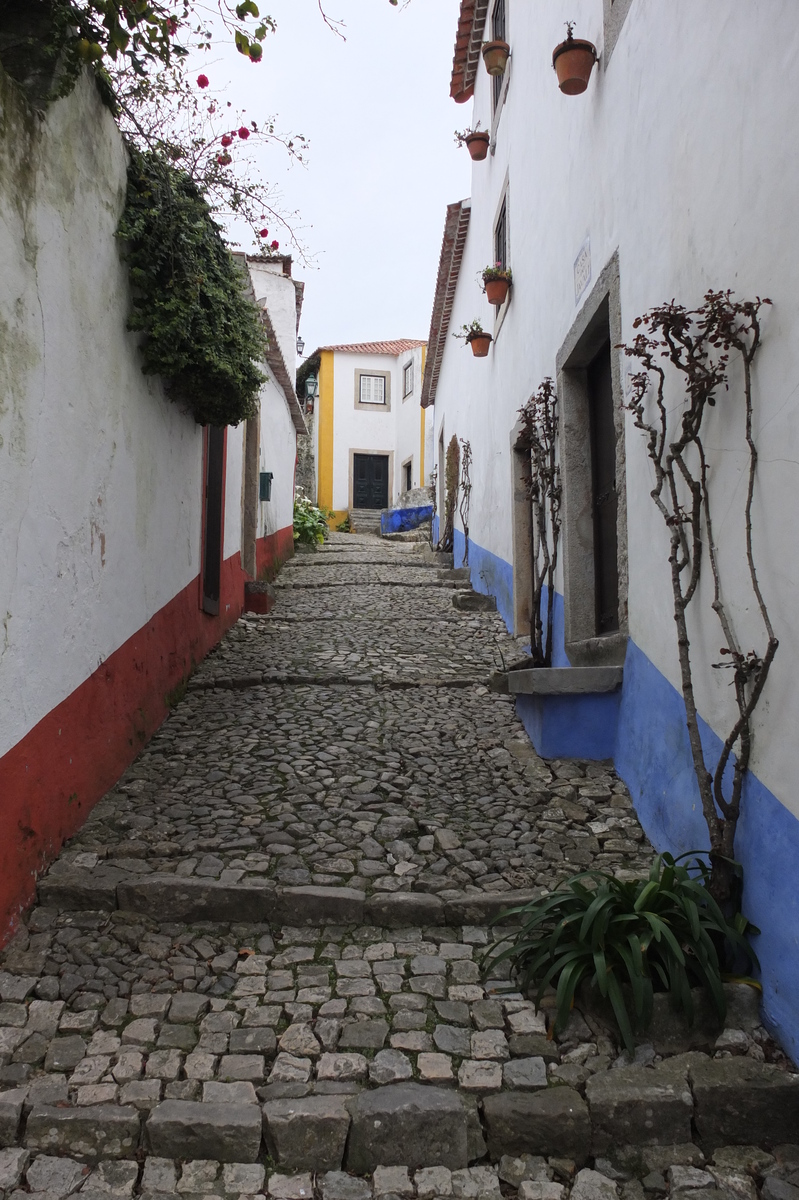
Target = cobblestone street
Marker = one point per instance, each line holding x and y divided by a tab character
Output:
257	967
350	737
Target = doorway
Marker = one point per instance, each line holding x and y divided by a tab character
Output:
594	512
212	523
370	481
602	433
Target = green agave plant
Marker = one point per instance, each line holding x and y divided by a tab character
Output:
628	940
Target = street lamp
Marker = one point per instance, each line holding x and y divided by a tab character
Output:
311	392
300	346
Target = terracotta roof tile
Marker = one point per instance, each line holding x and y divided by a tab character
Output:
469	38
399	346
456	227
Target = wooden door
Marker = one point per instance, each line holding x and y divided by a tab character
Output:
370	481
604	499
212	525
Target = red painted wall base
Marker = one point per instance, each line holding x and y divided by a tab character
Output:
53	777
272	551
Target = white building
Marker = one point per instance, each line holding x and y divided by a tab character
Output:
369	434
670	175
127	531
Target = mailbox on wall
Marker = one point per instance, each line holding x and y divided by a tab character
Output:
265	485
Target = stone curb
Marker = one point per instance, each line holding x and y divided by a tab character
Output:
386	583
237	683
627	1111
190	899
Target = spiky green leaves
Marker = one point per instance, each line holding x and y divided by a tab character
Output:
627	940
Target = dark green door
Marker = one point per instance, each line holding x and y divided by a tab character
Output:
370	481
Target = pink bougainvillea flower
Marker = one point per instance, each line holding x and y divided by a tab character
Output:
224	159
202	81
227	140
264	233
274	245
172	26
244	133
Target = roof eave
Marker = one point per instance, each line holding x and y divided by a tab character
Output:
456	227
469	39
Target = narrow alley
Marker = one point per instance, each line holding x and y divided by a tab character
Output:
256	969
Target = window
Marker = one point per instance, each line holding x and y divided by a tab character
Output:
501	235
407	475
407	379
498	29
373	389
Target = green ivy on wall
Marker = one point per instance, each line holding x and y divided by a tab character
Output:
201	332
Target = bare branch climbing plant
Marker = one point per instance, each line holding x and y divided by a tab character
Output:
466	494
538	443
702	346
452	482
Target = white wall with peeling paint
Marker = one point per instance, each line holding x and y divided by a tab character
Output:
100	473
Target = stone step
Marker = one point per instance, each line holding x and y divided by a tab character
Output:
469	601
365	520
677	1113
192	899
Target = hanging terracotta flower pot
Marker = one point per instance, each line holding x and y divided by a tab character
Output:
496	282
497	291
480	344
495	56
477	144
573	61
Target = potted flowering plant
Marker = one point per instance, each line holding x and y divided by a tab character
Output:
475	140
495	56
573	61
475	336
496	282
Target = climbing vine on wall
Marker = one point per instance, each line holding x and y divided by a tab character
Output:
451	481
201	333
702	346
538	443
466	494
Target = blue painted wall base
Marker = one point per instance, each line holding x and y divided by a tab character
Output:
489	574
580	726
401	520
653	757
650	749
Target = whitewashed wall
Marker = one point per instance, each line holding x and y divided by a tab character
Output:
678	157
278	435
357	429
278	455
692	184
408	420
100	474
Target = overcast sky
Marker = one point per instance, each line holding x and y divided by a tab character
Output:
382	164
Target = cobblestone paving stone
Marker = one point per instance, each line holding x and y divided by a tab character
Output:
150	1057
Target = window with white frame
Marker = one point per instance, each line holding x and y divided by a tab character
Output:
407	379
501	236
498	33
373	389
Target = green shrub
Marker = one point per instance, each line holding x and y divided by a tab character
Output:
627	940
202	334
310	522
